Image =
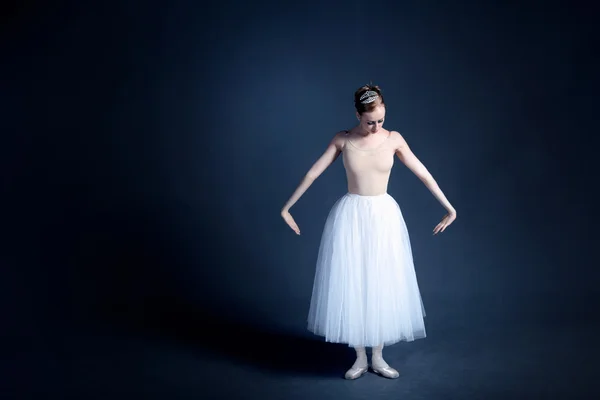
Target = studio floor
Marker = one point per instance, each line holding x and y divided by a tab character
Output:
496	359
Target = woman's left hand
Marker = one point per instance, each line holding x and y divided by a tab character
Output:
446	221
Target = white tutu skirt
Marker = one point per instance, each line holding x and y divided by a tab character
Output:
365	289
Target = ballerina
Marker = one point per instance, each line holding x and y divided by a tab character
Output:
365	290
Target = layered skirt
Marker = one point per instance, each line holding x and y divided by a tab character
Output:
365	290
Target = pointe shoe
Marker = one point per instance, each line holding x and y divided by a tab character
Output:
386	372
356	372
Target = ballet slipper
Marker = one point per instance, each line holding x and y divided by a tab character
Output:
380	367
356	372
386	372
360	367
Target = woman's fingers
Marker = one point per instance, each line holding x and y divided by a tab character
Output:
446	221
291	223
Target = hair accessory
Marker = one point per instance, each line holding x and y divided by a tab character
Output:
368	96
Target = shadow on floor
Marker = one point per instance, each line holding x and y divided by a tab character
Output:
253	346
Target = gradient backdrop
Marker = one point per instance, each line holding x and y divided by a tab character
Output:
148	147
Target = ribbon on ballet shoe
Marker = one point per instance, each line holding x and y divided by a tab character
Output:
386	372
356	372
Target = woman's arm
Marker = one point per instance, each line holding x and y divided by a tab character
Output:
412	162
331	153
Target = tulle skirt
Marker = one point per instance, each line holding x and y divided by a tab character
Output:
365	290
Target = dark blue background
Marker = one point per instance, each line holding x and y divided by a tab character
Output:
148	147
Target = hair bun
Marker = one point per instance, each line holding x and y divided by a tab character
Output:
367	98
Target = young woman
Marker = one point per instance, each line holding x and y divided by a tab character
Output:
365	289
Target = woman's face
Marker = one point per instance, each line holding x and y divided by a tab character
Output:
372	121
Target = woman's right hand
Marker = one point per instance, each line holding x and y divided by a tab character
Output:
287	217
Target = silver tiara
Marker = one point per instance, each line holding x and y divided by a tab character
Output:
370	97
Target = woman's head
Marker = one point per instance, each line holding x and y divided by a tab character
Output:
370	108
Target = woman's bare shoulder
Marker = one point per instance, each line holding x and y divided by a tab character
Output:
339	139
397	139
395	135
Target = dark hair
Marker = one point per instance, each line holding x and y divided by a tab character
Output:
362	108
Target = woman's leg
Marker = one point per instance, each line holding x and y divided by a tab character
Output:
380	366
360	366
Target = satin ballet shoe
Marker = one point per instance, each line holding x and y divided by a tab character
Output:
356	372
386	372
